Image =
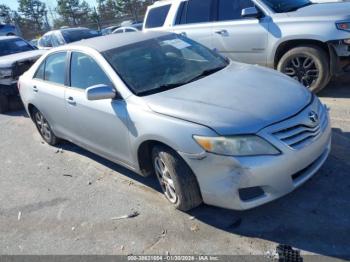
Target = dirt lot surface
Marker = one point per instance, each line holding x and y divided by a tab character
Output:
63	202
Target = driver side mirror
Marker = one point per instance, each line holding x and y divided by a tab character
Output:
250	12
100	92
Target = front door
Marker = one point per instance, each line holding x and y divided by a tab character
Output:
101	126
241	39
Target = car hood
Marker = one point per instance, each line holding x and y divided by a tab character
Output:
9	60
240	99
330	10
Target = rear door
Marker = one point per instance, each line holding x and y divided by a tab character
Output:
194	20
241	39
48	87
101	126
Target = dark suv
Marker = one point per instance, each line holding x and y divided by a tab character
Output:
16	57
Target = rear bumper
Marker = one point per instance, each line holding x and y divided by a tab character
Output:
224	180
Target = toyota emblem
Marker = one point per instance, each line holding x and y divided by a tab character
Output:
313	116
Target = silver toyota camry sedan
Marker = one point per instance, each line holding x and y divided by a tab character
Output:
212	130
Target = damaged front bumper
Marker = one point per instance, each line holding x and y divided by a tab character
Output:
241	183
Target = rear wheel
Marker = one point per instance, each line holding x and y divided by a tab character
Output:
4	104
177	180
307	64
44	128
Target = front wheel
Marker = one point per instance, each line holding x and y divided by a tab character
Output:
44	128
176	179
307	64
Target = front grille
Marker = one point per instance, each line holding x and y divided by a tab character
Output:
300	134
20	68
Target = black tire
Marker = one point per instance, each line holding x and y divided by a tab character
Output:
44	128
306	75
185	184
4	104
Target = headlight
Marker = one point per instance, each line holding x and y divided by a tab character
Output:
343	26
248	145
5	72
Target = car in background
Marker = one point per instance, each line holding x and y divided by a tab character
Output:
309	42
65	36
16	57
109	30
211	130
34	42
8	30
128	29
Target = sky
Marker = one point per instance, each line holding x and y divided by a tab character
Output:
13	4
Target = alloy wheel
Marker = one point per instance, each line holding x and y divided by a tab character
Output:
166	182
302	68
43	126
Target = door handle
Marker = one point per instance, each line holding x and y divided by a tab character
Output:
35	89
222	32
183	34
71	101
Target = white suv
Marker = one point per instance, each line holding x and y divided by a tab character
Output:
307	41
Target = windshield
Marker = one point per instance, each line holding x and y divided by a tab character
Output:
163	63
283	6
76	35
13	46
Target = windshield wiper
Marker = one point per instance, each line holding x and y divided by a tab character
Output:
206	73
165	87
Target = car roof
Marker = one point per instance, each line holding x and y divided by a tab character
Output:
9	37
73	29
107	42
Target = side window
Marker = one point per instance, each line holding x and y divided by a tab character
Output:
156	16
85	72
128	30
198	11
40	72
181	14
119	31
232	9
55	68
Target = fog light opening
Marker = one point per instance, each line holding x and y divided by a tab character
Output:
250	193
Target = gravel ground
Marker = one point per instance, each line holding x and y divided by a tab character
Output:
63	202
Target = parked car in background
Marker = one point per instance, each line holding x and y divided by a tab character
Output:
8	30
16	57
64	36
128	29
309	42
34	42
212	130
109	30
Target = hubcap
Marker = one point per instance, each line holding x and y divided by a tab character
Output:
165	180
43	126
303	69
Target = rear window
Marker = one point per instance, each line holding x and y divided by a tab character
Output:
156	16
76	35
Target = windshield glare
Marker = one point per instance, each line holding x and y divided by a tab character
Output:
283	6
162	63
14	46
